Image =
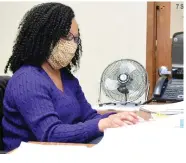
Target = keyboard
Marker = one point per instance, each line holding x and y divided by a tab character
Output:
174	90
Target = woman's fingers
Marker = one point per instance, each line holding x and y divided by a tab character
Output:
122	119
117	122
134	115
129	118
128	123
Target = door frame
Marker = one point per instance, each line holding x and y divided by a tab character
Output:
158	41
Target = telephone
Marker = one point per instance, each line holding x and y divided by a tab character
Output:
171	89
168	90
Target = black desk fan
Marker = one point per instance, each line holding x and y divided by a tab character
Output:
124	81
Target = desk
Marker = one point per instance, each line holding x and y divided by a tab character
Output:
142	114
72	144
54	143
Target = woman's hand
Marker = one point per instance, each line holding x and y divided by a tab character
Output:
118	120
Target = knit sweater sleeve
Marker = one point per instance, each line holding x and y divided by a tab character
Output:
33	101
88	112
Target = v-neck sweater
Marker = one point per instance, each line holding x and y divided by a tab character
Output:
36	110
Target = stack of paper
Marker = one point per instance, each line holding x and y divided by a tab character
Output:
168	109
154	141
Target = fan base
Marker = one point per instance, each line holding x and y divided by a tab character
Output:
121	103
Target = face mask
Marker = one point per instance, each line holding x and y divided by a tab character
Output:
62	54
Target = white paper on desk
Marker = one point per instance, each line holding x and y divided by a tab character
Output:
144	143
52	153
48	149
173	108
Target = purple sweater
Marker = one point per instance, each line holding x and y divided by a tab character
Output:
36	110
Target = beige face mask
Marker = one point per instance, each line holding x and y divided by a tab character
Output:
62	54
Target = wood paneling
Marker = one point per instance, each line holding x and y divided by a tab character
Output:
158	49
164	57
151	45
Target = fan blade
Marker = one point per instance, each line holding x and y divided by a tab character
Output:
137	76
126	68
111	84
131	66
133	93
123	69
135	73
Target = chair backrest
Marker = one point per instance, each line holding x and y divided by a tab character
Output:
3	82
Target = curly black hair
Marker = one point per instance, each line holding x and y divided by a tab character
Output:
39	31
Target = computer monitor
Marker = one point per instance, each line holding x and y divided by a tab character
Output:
177	50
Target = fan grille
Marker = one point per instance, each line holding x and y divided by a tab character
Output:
137	86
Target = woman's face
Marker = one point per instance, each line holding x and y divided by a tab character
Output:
65	49
74	28
73	34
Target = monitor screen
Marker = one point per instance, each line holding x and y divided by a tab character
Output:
177	49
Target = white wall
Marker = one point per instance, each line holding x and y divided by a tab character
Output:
110	31
177	13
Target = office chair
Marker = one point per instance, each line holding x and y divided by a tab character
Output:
3	82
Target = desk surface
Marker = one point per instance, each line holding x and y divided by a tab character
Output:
72	144
142	114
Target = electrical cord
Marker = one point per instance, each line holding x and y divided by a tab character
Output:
148	101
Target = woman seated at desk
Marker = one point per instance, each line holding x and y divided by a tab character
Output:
43	100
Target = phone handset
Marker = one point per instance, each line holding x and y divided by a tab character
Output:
162	81
160	86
